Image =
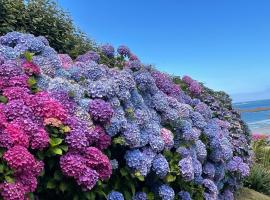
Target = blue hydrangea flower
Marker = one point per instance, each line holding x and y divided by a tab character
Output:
114	195
166	192
114	164
198	120
209	170
156	143
160	166
140	196
200	150
184	195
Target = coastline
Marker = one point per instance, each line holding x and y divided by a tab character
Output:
259	109
256	114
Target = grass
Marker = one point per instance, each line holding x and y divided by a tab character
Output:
249	194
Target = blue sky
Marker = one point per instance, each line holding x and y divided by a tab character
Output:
224	43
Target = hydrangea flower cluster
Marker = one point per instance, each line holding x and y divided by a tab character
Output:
25	115
174	131
193	86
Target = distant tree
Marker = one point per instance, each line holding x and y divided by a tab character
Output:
46	18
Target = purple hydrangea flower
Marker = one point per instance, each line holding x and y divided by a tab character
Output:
123	50
200	150
209	170
108	50
13	191
198	120
183	151
131	135
195	88
211	189
88	56
237	165
186	168
134	65
197	166
226	195
100	110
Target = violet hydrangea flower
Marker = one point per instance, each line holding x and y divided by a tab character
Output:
108	50
186	168
100	110
123	50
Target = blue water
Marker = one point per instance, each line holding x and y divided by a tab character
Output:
258	122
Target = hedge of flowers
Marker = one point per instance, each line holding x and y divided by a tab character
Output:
106	126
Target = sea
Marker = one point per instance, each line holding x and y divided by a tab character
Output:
258	122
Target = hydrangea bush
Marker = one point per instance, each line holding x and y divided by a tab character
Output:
107	126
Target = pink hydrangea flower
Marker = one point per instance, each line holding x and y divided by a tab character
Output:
17	135
167	137
95	159
13	191
30	68
19	158
40	139
65	60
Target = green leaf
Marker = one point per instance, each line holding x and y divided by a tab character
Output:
63	186
64	147
9	179
40	155
123	171
65	129
28	56
2	168
139	176
90	195
71	94
101	193
133	190
51	184
55	141
2	151
31	81
119	140
31	196
127	195
57	175
57	151
170	178
76	197
3	99
150	196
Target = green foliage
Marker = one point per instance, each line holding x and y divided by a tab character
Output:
6	174
3	99
32	83
259	179
44	17
28	56
261	150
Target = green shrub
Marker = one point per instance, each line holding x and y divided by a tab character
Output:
259	179
44	17
261	150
